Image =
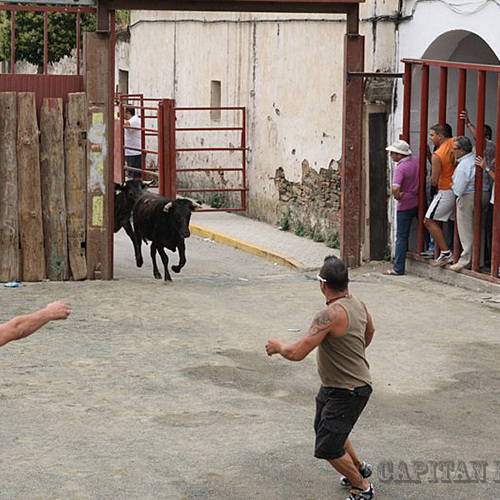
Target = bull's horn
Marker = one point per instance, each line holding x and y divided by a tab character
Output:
196	204
168	206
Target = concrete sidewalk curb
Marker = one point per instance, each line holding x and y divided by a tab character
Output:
246	246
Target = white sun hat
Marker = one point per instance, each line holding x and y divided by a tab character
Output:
401	147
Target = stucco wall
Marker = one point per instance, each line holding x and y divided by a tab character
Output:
286	69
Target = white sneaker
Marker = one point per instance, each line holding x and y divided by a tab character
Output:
443	259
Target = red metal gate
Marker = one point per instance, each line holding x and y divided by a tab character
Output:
44	85
166	147
423	71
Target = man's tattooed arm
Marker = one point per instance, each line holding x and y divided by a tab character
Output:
321	322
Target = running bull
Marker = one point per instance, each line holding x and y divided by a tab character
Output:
166	224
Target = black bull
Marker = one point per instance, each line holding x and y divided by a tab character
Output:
166	224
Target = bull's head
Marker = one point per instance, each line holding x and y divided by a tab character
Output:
180	212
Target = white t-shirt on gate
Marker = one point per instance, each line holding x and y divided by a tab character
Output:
132	138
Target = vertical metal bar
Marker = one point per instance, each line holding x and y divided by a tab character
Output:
161	147
443	88
13	42
122	133
424	118
407	103
78	43
351	221
171	148
495	247
244	158
143	135
111	142
478	196
461	106
45	43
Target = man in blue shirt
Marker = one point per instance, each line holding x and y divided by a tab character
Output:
464	181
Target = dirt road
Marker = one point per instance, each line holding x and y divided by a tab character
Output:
153	391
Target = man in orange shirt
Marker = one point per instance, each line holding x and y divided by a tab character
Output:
443	206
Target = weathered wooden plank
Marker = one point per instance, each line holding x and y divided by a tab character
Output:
9	224
75	141
53	188
30	197
99	229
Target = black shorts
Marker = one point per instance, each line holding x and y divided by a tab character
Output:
337	410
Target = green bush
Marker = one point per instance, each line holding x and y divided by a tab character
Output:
218	200
285	221
333	240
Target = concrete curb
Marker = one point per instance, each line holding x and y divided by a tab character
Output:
246	246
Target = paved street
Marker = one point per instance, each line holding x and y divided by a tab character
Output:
154	391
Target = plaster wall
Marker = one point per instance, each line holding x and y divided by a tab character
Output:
286	69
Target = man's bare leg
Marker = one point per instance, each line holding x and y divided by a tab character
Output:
437	233
350	450
346	467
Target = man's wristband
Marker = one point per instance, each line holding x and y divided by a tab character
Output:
487	170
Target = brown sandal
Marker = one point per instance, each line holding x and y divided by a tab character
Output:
391	272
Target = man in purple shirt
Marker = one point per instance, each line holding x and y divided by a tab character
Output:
405	191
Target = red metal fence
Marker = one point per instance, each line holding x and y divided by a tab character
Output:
44	85
421	70
165	137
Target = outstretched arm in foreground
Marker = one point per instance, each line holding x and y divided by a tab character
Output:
23	326
331	320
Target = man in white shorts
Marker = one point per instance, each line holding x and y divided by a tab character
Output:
443	205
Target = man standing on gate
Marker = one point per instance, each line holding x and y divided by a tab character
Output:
341	331
133	143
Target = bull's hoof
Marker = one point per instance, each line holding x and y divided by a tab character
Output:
176	269
139	262
157	276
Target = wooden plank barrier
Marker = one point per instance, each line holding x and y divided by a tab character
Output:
75	141
53	188
9	225
29	196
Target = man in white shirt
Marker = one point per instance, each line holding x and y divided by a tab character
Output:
133	143
464	181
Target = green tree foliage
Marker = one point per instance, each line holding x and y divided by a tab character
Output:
61	29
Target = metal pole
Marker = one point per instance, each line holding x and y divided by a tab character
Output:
78	43
161	147
443	88
424	118
143	136
172	180
45	43
244	159
495	247
407	103
13	43
461	106
478	197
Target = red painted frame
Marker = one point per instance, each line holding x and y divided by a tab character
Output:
463	68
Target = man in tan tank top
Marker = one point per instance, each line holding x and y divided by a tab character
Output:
341	331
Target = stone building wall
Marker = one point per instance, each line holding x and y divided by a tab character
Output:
311	206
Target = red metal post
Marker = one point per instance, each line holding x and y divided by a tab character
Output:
122	137
481	103
161	147
78	43
143	135
495	247
461	105
13	43
422	172
443	88
352	146
45	43
244	159
172	177
407	103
